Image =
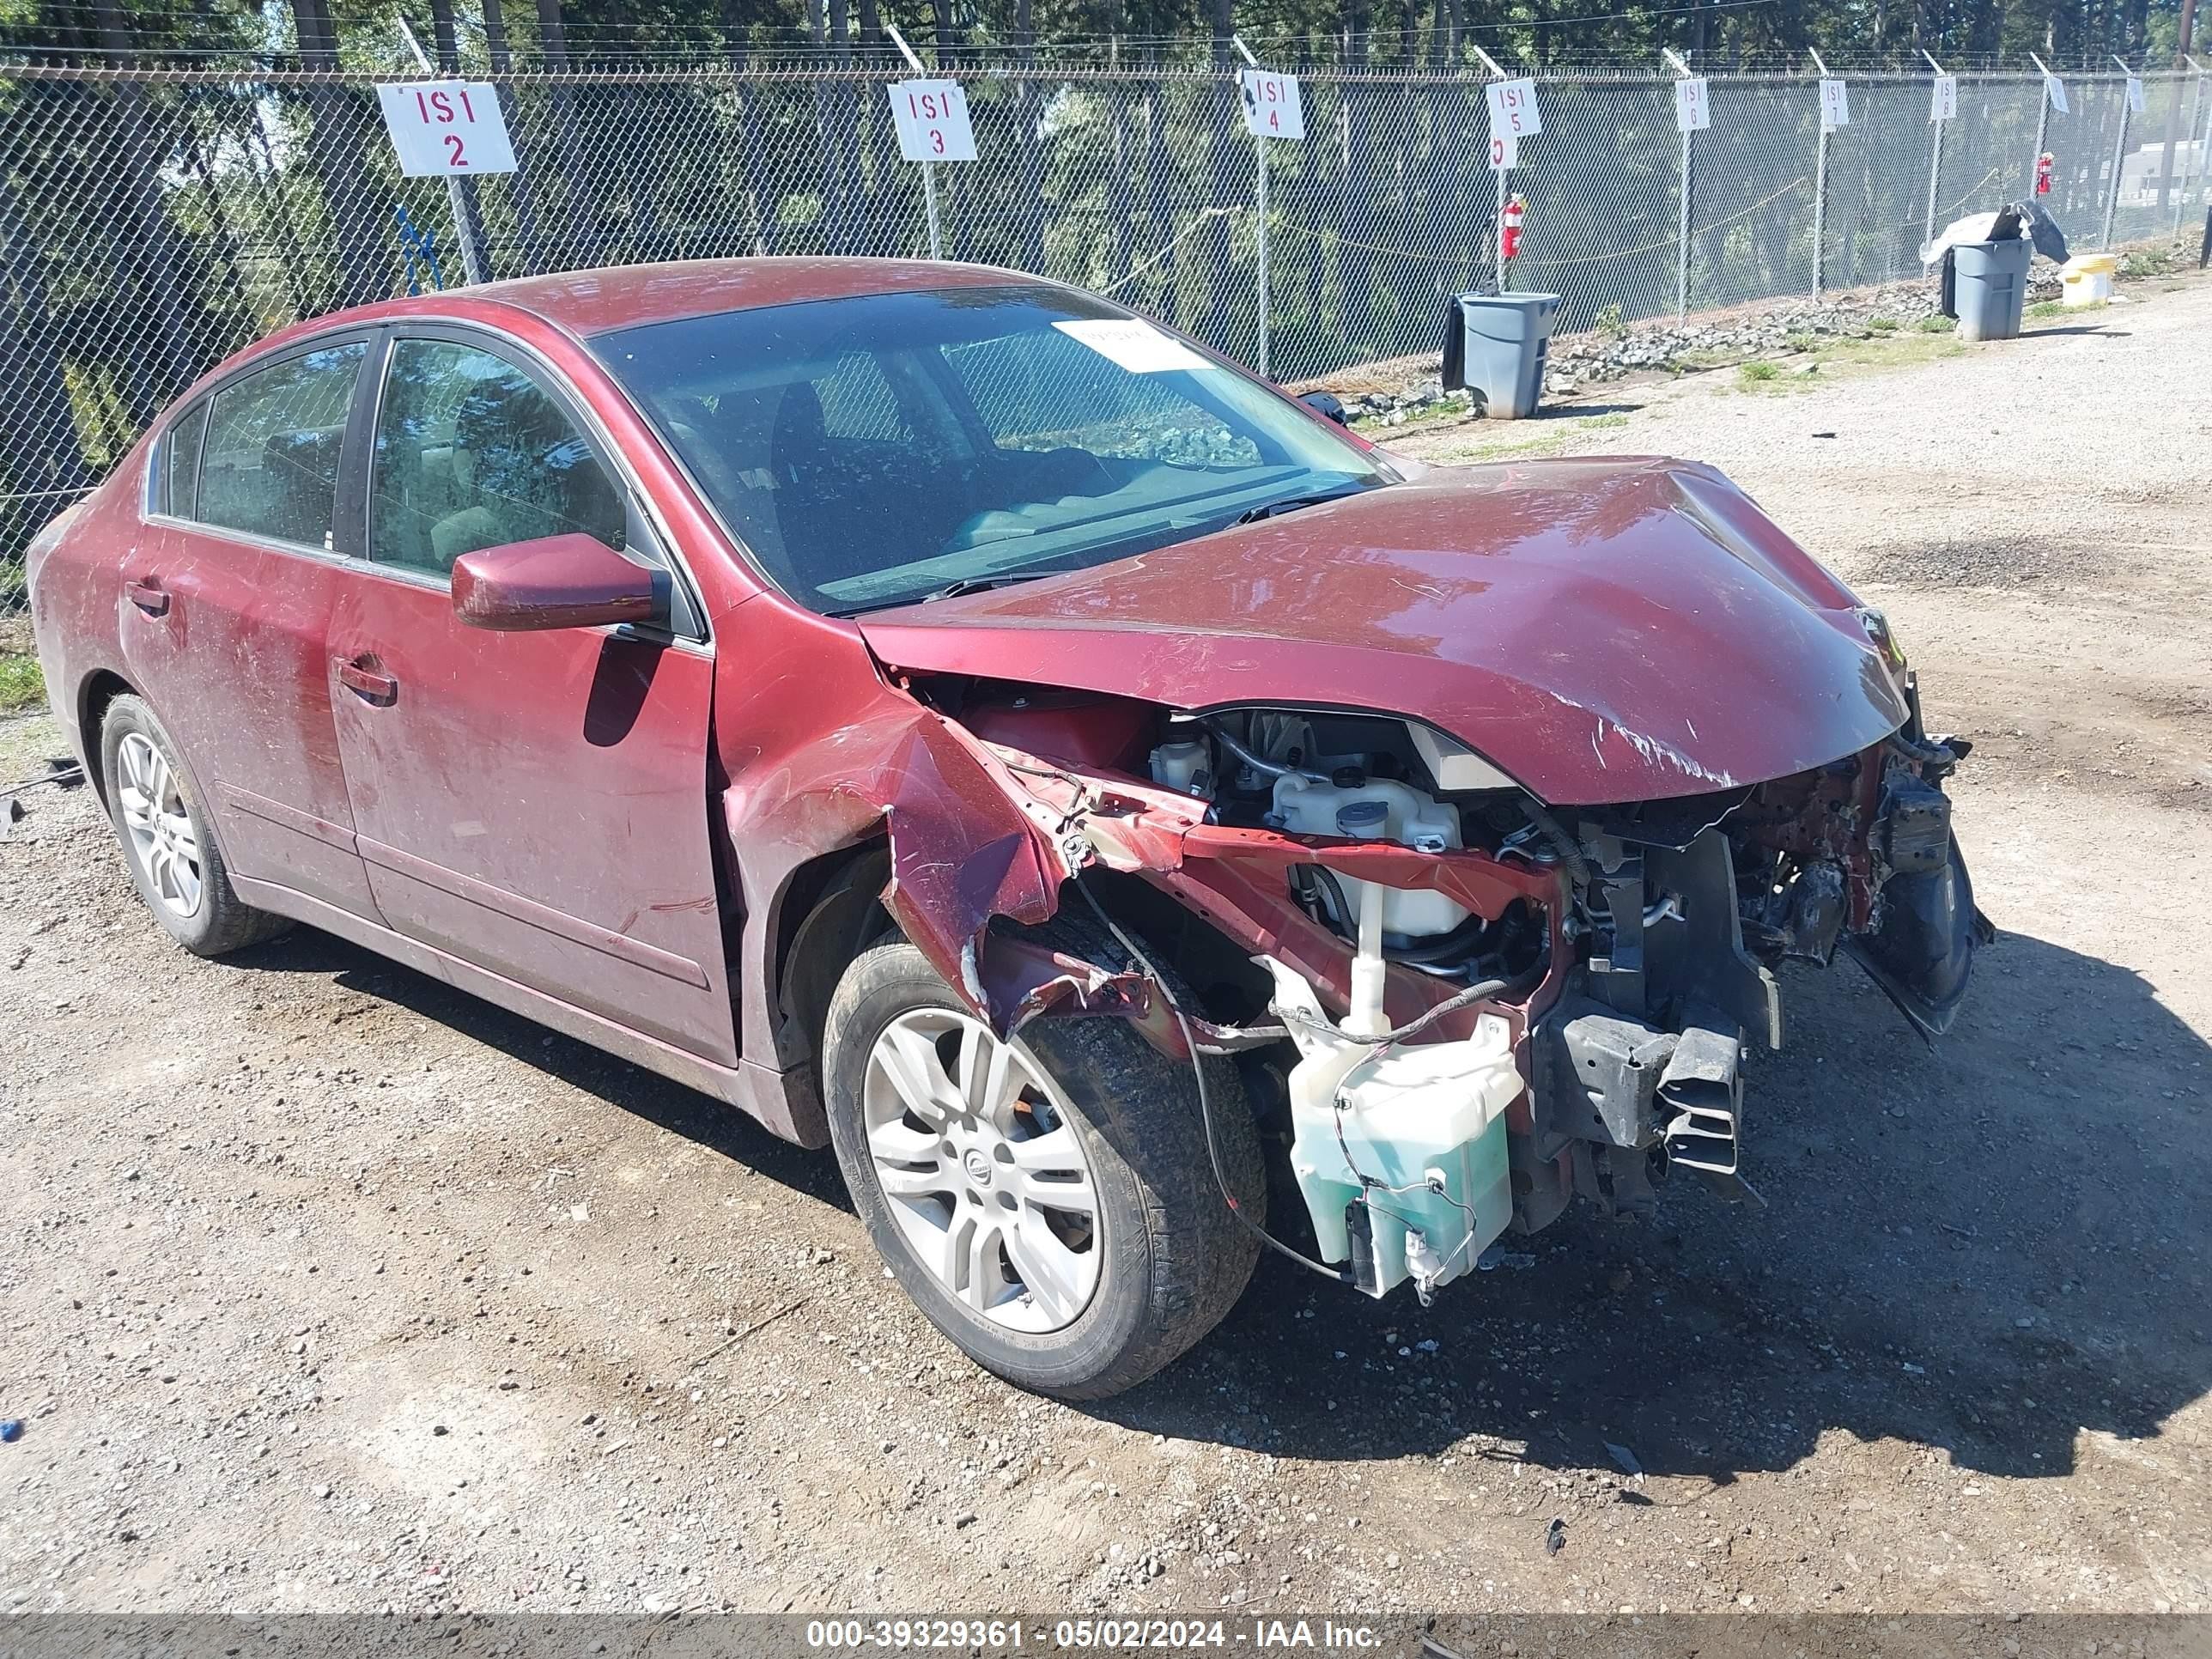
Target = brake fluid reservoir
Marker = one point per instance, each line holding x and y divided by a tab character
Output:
1318	807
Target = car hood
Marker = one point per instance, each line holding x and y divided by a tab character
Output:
1602	630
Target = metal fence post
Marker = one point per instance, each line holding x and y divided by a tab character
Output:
1260	201
471	264
1504	176
2193	159
1681	205
2042	122
1819	179
928	169
1935	163
2120	154
1266	292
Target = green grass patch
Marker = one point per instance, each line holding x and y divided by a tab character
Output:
1883	325
22	685
1600	422
2046	308
1937	324
1758	373
1802	341
2153	261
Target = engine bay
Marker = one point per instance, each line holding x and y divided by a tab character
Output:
1457	1009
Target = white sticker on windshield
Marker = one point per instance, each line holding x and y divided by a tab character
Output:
1133	345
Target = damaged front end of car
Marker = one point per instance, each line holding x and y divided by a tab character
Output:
1454	1007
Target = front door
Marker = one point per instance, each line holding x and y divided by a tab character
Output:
535	804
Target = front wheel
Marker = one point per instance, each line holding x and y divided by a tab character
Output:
1047	1201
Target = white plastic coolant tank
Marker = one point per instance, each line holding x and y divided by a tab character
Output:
1425	1116
1380	809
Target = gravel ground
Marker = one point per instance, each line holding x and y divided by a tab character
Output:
326	1288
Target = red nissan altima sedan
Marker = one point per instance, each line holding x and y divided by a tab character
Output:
1134	820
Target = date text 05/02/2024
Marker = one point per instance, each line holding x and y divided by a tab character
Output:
1016	1635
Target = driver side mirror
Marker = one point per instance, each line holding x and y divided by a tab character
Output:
1327	404
568	580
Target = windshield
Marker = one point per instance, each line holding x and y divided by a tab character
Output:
872	451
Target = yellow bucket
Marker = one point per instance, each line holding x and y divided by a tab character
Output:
2087	278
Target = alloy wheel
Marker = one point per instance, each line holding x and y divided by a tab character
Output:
975	1152
161	829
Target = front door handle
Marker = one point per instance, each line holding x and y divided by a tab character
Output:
148	597
370	684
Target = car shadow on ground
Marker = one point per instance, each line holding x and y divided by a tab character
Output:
714	1125
1986	1248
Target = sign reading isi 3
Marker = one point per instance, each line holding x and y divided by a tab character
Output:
447	127
932	118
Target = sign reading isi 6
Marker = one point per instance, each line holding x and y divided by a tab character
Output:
932	118
1693	108
447	127
1272	106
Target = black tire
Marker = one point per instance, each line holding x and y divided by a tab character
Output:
1175	1259
222	922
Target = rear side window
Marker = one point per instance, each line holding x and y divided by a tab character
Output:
270	461
180	462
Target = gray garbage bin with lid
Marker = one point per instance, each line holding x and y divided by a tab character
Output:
1495	344
1990	287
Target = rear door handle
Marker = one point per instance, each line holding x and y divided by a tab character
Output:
372	687
148	597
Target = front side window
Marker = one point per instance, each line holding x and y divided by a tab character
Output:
872	451
471	453
269	461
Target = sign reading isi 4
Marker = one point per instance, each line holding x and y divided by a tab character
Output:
932	118
447	127
1273	108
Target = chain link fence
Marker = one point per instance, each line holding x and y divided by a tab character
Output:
152	221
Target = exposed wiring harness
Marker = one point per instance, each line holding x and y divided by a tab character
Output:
1341	1275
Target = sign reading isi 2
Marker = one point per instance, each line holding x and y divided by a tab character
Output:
447	127
932	118
1273	108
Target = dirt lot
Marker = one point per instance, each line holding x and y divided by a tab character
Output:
327	1288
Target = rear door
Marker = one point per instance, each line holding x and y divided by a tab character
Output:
225	601
535	804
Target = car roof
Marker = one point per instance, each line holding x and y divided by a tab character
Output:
588	302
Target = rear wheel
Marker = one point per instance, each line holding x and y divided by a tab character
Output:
168	839
1047	1201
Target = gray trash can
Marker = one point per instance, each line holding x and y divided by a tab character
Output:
1495	344
1991	287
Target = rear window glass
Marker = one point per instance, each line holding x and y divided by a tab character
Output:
180	462
270	466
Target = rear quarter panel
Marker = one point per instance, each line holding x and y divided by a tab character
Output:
74	569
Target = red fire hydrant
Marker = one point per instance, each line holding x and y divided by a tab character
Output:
2043	165
1509	227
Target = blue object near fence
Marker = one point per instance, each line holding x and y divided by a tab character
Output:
418	245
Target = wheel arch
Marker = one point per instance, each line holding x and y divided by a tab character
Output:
830	909
98	690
